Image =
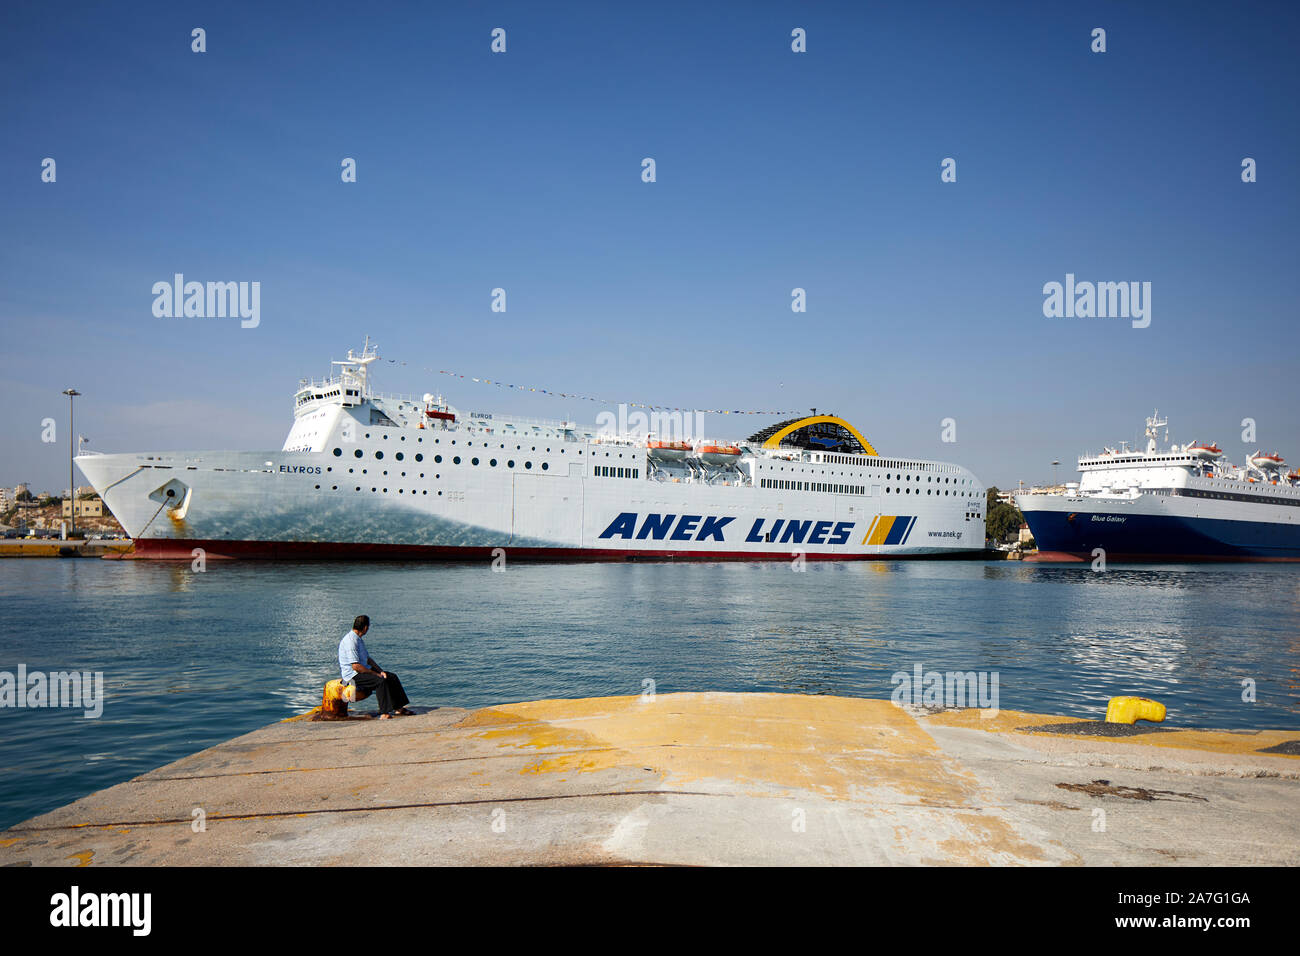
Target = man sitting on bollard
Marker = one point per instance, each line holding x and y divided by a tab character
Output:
356	665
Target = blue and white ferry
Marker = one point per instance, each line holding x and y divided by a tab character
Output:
1183	503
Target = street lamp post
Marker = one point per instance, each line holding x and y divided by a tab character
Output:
72	393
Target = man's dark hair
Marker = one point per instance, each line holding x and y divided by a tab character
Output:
361	623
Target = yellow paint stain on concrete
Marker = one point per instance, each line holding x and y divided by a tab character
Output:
1210	741
83	856
837	747
869	752
306	716
9	841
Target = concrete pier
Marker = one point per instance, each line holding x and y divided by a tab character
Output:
60	548
696	779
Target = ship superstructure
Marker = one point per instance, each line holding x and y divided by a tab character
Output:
1183	502
368	474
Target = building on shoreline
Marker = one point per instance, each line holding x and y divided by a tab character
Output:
92	507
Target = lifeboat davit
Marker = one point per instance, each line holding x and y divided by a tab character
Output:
1270	462
1205	451
715	454
668	450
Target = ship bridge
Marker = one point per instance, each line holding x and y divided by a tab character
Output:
815	433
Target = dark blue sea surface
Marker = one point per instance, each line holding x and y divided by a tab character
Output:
194	658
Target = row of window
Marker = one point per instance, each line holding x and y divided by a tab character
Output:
380	490
492	463
608	471
909	491
837	489
379	455
438	441
889	476
834	489
1228	496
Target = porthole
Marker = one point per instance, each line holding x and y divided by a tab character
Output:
528	464
379	455
473	461
493	463
338	452
437	459
545	466
456	460
399	456
510	463
357	453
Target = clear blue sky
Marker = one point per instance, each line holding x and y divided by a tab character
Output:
775	170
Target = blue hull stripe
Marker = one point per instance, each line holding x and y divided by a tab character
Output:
1083	531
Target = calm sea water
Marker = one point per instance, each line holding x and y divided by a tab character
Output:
192	659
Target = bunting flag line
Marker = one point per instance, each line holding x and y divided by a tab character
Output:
590	398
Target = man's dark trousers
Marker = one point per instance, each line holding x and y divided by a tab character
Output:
389	692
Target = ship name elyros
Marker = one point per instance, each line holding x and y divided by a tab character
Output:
363	474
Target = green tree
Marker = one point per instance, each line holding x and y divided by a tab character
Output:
1002	521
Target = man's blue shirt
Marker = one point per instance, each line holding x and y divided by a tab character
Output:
352	650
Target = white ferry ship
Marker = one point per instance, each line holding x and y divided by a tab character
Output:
1182	503
363	474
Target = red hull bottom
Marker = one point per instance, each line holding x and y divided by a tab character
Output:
1085	557
166	549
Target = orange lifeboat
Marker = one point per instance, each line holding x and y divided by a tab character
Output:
1270	462
668	450
712	453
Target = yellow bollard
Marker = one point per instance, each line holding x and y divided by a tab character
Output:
334	705
1127	710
